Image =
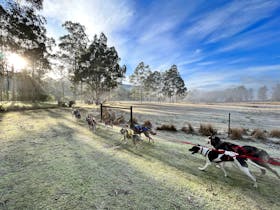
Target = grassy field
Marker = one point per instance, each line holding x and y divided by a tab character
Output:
49	160
25	105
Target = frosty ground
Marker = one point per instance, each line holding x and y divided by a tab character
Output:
50	160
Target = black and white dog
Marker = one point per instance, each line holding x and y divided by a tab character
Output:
220	158
258	157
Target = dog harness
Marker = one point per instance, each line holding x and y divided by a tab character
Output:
140	128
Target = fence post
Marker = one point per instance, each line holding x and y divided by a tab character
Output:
228	124
101	112
131	117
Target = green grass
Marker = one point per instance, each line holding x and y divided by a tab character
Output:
49	160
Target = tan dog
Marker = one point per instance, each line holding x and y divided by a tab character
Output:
129	134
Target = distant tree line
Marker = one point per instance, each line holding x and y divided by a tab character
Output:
237	94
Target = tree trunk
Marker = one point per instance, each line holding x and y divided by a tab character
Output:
1	86
81	91
13	83
62	85
75	92
33	79
8	87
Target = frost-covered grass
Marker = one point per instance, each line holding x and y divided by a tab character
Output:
25	105
49	160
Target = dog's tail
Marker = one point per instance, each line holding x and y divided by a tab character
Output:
274	161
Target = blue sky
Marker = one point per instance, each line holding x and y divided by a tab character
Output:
215	44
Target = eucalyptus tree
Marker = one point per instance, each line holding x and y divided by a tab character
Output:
99	67
71	46
153	84
23	31
139	77
173	84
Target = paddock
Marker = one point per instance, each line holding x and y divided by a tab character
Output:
48	160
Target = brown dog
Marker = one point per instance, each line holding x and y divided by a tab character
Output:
129	134
91	122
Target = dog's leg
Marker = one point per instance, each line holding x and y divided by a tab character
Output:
263	171
152	140
246	171
208	163
222	166
271	169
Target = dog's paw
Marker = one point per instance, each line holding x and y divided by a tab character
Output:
200	168
255	185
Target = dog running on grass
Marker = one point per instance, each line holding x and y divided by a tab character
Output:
138	129
129	134
76	113
260	158
91	122
219	158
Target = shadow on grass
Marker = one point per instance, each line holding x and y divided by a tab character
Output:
60	171
59	167
182	160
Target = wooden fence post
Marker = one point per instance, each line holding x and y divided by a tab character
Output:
101	112
228	124
131	117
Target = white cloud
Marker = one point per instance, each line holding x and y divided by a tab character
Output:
97	16
230	19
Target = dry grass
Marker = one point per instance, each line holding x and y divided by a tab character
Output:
236	133
188	129
207	130
25	105
258	134
166	127
274	133
120	120
63	165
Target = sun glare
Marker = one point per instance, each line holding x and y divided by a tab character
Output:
17	61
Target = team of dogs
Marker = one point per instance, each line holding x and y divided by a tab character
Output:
133	132
228	152
221	153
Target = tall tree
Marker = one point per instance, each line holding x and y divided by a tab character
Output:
72	45
23	31
153	84
139	76
262	93
99	67
173	84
